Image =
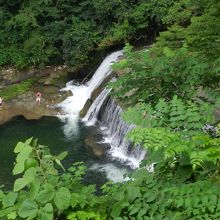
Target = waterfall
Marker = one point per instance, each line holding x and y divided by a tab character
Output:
114	129
81	93
106	112
91	116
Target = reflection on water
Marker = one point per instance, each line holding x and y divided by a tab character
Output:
49	131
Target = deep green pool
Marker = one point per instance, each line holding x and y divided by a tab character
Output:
49	131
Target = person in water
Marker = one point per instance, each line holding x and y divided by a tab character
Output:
38	97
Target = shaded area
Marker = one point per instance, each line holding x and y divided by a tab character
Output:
49	131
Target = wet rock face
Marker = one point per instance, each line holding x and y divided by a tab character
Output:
8	75
49	82
92	141
94	95
86	108
50	75
89	102
98	149
27	106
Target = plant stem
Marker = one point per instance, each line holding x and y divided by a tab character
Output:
41	168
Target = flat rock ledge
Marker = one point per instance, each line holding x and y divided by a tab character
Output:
26	105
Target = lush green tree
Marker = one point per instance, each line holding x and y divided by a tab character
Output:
173	87
47	31
174	84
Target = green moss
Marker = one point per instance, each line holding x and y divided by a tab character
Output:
14	90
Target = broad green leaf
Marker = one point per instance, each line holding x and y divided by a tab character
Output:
75	200
211	208
119	196
19	147
179	202
18	168
62	198
53	180
151	197
24	154
116	210
141	212
28	209
12	215
30	174
118	218
9	199
134	210
133	192
46	195
34	188
19	184
187	202
6	211
46	212
34	142
28	141
20	159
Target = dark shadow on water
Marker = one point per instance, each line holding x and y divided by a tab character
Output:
49	132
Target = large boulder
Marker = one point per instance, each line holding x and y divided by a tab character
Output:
86	108
98	149
50	75
25	104
48	81
94	95
93	142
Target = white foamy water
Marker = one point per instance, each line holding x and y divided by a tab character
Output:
114	130
81	93
109	121
91	116
112	172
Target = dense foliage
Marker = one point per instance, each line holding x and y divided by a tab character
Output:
184	59
41	192
173	86
40	32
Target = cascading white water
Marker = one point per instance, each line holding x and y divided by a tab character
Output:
115	130
91	116
81	93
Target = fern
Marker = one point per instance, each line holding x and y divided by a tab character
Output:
199	150
176	115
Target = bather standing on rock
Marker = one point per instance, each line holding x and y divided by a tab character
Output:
1	101
38	97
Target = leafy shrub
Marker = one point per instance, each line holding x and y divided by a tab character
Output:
41	192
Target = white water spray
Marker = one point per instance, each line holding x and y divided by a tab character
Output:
112	172
91	116
113	128
81	93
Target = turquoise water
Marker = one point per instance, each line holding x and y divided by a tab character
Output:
49	131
